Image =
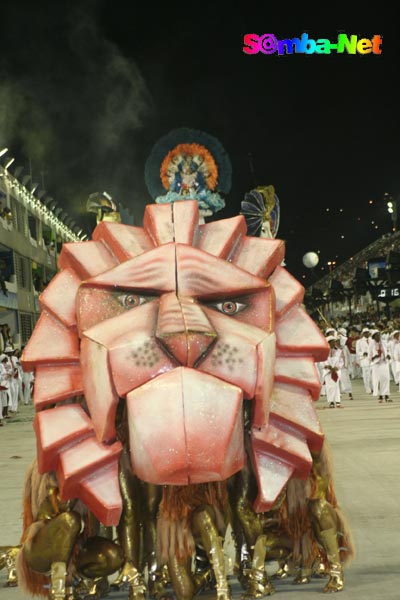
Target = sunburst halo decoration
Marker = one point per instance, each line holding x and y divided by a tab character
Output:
191	160
189	165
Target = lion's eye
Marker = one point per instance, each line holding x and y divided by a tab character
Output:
230	307
131	300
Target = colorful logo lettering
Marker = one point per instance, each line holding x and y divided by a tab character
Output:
267	43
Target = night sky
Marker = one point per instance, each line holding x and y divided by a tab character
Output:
86	89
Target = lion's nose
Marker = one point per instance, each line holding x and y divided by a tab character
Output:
184	330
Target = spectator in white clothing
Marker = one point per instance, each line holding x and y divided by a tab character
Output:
5	375
396	358
14	387
345	382
379	358
391	346
331	370
362	352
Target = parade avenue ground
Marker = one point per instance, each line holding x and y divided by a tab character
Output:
365	439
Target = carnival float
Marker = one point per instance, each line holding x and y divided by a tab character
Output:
174	393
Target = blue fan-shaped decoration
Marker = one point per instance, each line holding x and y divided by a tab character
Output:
261	206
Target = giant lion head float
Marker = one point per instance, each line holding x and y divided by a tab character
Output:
180	324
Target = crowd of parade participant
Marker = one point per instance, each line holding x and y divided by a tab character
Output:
368	350
15	384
